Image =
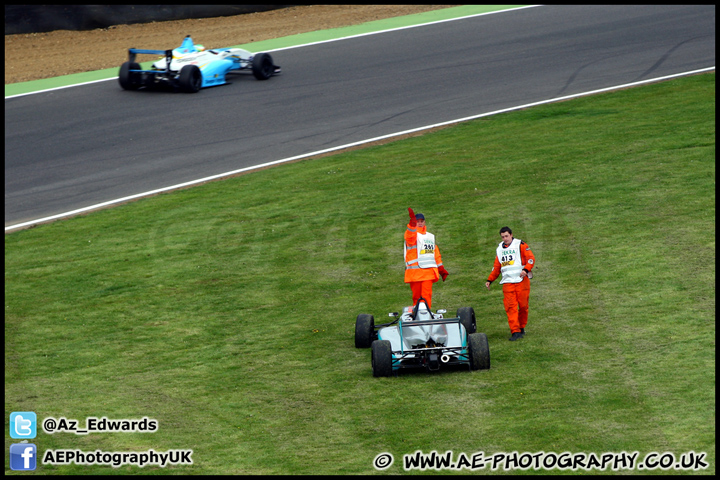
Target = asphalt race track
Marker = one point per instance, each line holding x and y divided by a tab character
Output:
76	147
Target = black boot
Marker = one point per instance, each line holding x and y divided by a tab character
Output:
516	336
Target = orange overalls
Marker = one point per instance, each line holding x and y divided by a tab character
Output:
420	279
516	296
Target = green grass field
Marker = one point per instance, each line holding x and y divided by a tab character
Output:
227	311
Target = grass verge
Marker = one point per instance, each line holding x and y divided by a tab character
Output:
226	311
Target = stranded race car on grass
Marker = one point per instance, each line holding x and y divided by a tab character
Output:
190	67
420	339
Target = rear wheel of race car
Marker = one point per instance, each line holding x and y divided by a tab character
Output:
364	330
467	318
381	358
479	351
190	79
262	66
129	80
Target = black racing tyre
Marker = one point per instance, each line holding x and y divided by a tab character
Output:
262	66
129	80
364	330
467	318
479	351
190	80
381	358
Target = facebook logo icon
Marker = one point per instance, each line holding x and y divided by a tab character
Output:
23	456
23	424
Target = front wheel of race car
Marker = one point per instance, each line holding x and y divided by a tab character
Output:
364	330
467	318
190	79
479	351
129	80
381	358
262	66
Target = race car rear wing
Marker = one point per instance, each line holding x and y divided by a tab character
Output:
132	52
425	323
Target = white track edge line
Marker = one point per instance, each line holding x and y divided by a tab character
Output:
342	147
404	27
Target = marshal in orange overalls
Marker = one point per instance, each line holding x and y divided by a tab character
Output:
423	263
511	259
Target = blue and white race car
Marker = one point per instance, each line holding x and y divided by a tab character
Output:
191	67
417	338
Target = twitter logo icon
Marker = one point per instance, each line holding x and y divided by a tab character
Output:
23	425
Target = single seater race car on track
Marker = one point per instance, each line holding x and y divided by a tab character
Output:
417	338
191	67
